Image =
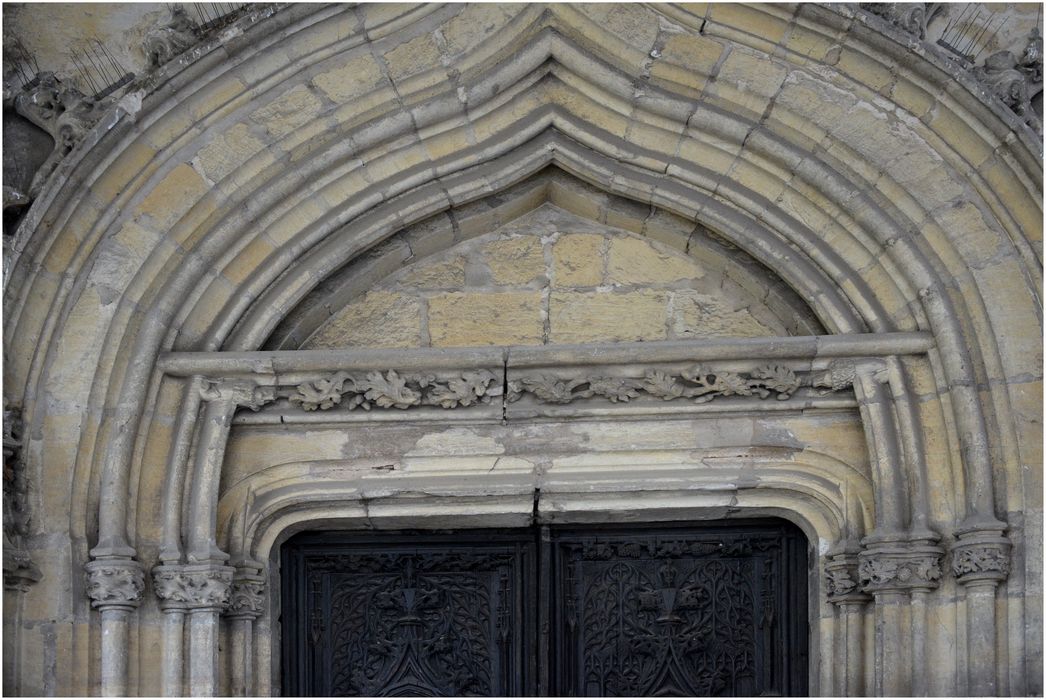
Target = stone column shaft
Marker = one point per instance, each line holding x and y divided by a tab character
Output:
115	588
173	645
981	561
197	592
203	652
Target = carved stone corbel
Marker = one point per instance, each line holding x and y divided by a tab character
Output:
63	112
912	17
1015	80
238	392
174	38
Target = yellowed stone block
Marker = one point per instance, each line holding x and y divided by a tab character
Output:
248	260
809	43
636	24
449	274
748	80
288	112
175	194
414	56
698	315
228	151
127	165
577	260
864	69
466	319
475	23
378	320
515	260
583	317
753	19
687	59
965	227
357	77
213	96
958	134
635	261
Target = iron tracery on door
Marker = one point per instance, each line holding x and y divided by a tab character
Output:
718	609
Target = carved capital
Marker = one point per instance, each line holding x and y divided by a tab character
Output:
237	392
981	557
115	584
248	594
842	579
193	587
899	566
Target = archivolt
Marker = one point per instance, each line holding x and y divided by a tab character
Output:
883	213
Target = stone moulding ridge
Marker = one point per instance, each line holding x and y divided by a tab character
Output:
794	372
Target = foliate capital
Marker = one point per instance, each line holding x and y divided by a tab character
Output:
193	586
248	594
979	557
842	579
115	584
896	567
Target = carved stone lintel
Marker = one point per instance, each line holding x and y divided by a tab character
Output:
115	584
238	392
174	38
192	586
842	578
981	557
899	566
248	592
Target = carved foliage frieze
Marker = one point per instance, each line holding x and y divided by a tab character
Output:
395	389
390	389
698	384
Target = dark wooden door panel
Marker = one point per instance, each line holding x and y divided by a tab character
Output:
679	611
417	615
718	609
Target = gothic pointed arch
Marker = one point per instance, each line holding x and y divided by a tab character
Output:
875	217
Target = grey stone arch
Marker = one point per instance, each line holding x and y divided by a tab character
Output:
554	56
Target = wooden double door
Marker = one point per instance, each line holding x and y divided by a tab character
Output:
713	609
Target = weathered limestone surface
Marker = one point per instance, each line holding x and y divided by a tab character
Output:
306	196
550	277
